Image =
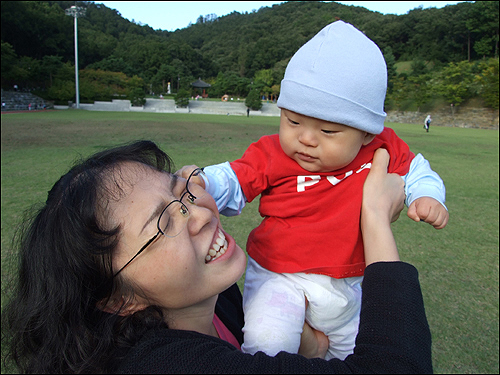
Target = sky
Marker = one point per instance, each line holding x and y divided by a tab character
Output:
157	14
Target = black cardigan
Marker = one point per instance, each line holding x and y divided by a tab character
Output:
394	336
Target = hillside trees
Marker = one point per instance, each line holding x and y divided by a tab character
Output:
232	51
483	22
488	82
455	82
37	28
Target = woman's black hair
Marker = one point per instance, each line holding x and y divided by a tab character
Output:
53	323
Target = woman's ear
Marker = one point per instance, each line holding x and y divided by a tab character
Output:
368	138
118	305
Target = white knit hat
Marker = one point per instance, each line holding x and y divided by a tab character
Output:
339	76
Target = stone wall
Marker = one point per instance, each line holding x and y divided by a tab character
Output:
482	118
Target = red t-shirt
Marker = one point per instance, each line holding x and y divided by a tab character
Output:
311	220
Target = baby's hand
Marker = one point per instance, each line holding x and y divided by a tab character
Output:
186	171
429	210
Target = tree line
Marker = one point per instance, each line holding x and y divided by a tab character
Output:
453	50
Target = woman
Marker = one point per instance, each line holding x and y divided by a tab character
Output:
126	268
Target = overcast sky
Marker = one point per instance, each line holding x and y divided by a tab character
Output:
172	15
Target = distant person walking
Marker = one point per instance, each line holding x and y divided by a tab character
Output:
248	111
427	123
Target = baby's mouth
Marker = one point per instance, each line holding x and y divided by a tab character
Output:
218	248
305	157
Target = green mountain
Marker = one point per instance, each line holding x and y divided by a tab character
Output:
37	41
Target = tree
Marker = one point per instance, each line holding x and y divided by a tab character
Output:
390	61
8	62
50	66
182	98
483	24
399	92
454	82
162	77
264	80
488	82
113	64
420	90
253	101
136	94
103	85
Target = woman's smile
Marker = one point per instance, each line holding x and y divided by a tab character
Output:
219	246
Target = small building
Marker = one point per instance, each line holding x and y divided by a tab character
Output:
199	84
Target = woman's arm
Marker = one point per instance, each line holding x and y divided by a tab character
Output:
383	200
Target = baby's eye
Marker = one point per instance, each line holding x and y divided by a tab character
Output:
325	131
293	122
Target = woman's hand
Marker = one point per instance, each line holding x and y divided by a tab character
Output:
313	343
383	200
383	193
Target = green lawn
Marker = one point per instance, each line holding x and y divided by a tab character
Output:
458	265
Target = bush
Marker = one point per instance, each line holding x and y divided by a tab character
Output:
136	93
137	97
488	81
253	100
182	98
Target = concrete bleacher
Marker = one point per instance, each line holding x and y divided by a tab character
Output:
114	105
168	106
160	105
20	101
231	108
217	108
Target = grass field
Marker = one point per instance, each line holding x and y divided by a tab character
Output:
458	265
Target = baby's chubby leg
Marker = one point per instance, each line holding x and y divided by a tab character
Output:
334	306
274	311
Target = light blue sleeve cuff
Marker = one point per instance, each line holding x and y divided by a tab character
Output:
222	184
422	181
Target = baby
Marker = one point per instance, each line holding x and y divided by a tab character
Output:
310	180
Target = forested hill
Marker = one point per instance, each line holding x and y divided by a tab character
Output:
236	45
249	42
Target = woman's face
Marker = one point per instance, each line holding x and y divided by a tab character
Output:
173	273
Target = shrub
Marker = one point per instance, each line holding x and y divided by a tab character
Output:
182	98
137	97
253	100
488	81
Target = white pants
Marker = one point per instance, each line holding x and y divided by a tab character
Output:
274	307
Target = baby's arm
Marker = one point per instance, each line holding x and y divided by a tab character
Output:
425	194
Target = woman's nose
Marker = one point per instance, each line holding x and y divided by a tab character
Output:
201	214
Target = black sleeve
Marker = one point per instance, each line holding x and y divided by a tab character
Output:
393	337
229	309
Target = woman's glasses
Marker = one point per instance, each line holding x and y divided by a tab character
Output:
174	217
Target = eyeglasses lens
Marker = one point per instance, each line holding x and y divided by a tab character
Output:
173	220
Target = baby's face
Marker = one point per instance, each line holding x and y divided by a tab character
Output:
318	145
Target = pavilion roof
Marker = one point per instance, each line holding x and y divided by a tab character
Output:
200	83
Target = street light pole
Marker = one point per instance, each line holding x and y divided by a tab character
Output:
76	12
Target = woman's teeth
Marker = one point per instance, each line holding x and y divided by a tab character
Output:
218	248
